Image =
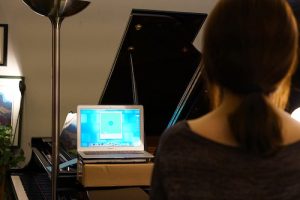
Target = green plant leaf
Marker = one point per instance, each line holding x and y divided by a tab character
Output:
8	155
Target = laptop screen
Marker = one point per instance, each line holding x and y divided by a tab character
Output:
110	126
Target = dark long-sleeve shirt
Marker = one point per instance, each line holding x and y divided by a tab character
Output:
189	166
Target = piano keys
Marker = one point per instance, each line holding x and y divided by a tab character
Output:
31	186
37	186
19	189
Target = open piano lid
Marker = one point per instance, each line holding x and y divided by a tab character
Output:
157	66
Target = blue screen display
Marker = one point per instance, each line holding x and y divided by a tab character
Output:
110	127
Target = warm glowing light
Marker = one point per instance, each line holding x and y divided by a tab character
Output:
296	114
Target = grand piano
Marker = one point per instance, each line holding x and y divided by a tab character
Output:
157	66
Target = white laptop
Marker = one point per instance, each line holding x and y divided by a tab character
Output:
111	133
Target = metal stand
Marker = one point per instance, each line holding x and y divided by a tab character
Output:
56	11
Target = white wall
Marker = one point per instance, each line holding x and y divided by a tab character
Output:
89	42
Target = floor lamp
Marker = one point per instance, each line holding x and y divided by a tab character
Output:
56	11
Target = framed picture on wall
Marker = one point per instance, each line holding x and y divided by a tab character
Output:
3	44
11	104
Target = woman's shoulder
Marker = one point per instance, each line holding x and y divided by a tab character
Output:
213	127
180	135
176	130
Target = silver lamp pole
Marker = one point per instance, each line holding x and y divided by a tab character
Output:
56	11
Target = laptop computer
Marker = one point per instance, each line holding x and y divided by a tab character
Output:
111	133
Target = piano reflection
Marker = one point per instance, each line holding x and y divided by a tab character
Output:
157	66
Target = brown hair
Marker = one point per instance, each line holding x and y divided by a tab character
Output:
250	48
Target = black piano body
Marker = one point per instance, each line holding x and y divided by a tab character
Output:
156	66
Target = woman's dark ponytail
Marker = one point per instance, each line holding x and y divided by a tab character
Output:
255	125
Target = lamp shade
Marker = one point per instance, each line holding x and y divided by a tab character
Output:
56	8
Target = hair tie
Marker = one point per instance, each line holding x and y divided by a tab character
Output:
253	89
249	89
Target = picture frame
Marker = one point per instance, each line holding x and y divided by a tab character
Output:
3	44
12	90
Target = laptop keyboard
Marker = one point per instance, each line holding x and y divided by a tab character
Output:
111	152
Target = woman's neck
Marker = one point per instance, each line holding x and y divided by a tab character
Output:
230	101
